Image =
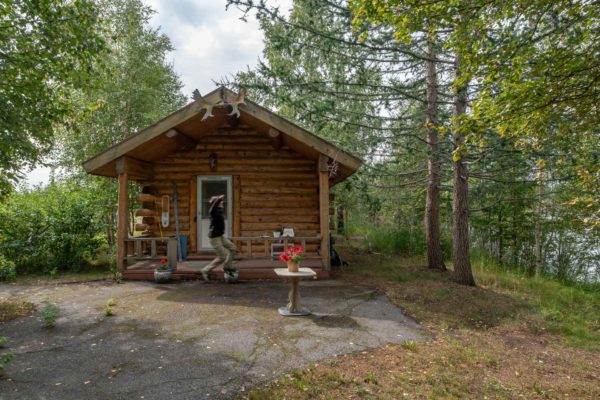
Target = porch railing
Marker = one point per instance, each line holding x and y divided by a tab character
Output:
272	245
154	248
147	248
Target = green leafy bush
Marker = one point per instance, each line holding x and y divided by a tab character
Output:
8	271
51	229
49	314
108	310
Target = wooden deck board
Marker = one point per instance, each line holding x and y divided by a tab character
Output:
248	269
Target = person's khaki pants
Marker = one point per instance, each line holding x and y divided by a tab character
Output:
225	250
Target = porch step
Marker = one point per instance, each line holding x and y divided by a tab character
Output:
217	274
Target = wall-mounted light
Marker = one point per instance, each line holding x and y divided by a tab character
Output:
212	161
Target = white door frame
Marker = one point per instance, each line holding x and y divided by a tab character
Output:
229	220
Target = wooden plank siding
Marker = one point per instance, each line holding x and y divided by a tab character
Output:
272	188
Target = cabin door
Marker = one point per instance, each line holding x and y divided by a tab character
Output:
209	186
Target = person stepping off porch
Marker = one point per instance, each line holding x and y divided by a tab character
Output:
224	248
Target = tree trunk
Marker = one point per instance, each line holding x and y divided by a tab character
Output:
538	227
460	206
435	259
500	239
515	250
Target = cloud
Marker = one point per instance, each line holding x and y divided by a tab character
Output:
210	42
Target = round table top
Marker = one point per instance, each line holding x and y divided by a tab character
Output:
302	273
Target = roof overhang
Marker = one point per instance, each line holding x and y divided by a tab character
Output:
186	126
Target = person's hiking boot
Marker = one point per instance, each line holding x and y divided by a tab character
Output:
205	276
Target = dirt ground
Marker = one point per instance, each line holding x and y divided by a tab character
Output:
187	340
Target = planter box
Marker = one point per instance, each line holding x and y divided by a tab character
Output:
162	276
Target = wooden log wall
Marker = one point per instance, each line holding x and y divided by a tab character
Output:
273	188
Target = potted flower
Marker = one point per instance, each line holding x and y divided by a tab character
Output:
163	272
292	257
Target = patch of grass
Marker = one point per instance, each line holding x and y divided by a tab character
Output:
571	311
502	296
370	378
512	336
305	383
14	307
395	240
409	345
334	362
62	278
3	341
5	359
430	296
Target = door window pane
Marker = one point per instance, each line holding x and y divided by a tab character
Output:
210	189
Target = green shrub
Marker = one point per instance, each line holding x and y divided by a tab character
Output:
8	271
51	229
3	341
49	314
108	309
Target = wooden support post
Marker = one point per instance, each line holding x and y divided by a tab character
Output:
237	207
153	249
324	209
138	248
193	216
172	253
135	169
122	220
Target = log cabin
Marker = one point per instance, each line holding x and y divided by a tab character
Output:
274	175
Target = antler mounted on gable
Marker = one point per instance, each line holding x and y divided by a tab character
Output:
204	104
236	102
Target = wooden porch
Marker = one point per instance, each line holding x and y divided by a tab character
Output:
190	269
256	258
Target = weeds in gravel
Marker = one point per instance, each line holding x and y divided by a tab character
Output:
50	313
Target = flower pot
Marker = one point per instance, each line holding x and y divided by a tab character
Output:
231	276
293	266
162	276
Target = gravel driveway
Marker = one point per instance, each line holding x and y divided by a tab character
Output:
188	340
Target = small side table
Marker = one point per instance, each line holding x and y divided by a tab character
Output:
293	308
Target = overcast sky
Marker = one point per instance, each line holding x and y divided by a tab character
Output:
210	43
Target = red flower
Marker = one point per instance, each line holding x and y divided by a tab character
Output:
292	254
163	261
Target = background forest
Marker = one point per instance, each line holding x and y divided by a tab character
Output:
477	122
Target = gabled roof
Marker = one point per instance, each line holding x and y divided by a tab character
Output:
151	143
